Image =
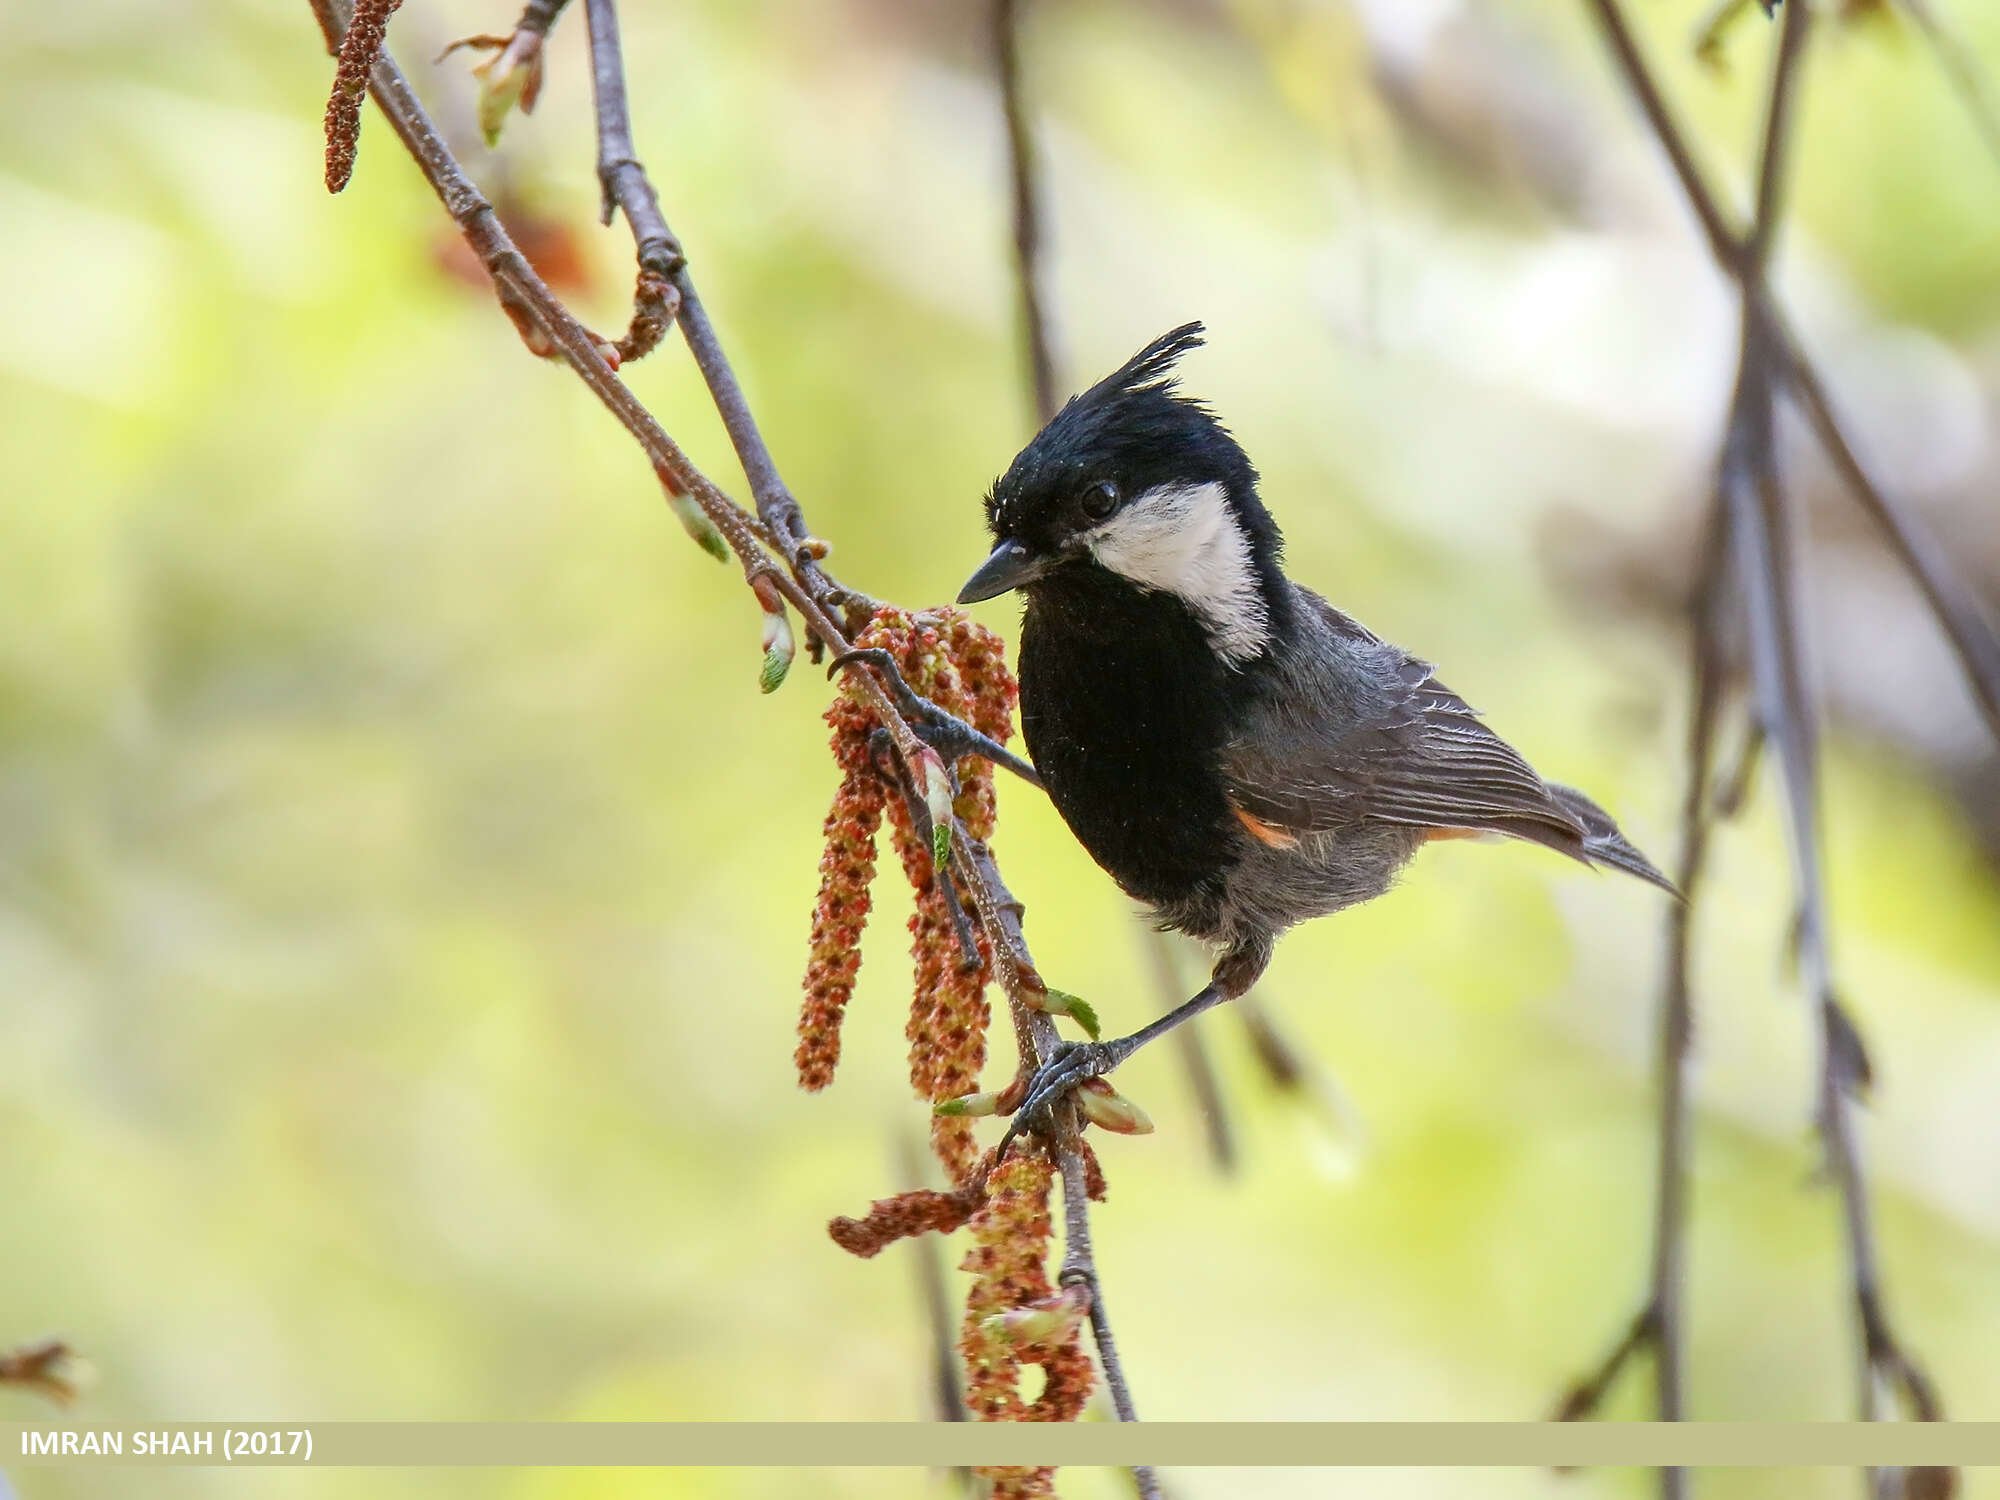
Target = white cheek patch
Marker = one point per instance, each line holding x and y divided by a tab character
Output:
1183	538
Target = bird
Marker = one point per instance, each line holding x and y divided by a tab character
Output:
1236	753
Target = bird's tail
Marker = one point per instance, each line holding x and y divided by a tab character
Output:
1603	844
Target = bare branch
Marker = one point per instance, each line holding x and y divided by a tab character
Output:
626	186
1957	609
1956	606
1756	253
1080	1268
1000	915
1664	1304
1762	539
1023	177
779	524
927	1252
1721	238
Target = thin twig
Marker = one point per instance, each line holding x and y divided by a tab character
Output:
626	186
803	585
1668	1326
1763	541
525	294
1080	1268
947	1373
1660	1325
1000	915
1022	176
1958	610
1755	257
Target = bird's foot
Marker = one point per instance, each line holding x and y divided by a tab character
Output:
945	733
1069	1067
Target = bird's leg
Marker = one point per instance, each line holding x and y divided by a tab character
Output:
1075	1063
945	733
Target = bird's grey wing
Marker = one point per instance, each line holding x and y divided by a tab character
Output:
1402	749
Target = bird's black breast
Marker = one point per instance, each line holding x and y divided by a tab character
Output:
1125	709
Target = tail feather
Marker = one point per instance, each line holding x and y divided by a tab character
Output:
1603	844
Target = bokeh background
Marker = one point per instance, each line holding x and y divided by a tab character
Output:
404	888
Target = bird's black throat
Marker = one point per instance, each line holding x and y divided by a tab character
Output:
1125	707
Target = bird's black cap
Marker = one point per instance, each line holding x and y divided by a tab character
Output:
1134	430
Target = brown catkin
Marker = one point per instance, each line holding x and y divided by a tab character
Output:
846	869
1009	1261
961	667
358	51
897	1218
949	1014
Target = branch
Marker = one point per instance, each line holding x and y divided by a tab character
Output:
779	524
626	186
526	297
1000	915
1755	526
947	1374
1022	174
1956	607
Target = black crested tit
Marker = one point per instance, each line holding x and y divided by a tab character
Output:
1234	751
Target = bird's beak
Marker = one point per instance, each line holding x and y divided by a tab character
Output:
1010	566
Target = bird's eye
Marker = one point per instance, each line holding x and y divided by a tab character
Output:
1100	500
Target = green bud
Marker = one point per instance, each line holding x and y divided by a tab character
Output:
698	526
978	1106
937	798
1078	1009
779	649
504	82
1049	1320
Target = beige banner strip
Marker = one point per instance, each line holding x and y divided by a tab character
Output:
936	1444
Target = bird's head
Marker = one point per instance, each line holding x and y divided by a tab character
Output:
1135	479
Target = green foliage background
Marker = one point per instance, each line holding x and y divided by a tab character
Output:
403	887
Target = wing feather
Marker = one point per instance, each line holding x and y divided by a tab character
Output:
1407	751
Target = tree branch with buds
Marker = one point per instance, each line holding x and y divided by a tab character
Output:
1753	549
907	754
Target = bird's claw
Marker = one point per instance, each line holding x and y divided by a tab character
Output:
950	736
1069	1067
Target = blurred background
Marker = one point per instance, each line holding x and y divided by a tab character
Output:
404	888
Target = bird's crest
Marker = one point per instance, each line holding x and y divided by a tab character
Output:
1151	368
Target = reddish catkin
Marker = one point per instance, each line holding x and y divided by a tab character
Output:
1009	1262
906	1214
358	51
960	667
897	1218
949	1015
846	870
